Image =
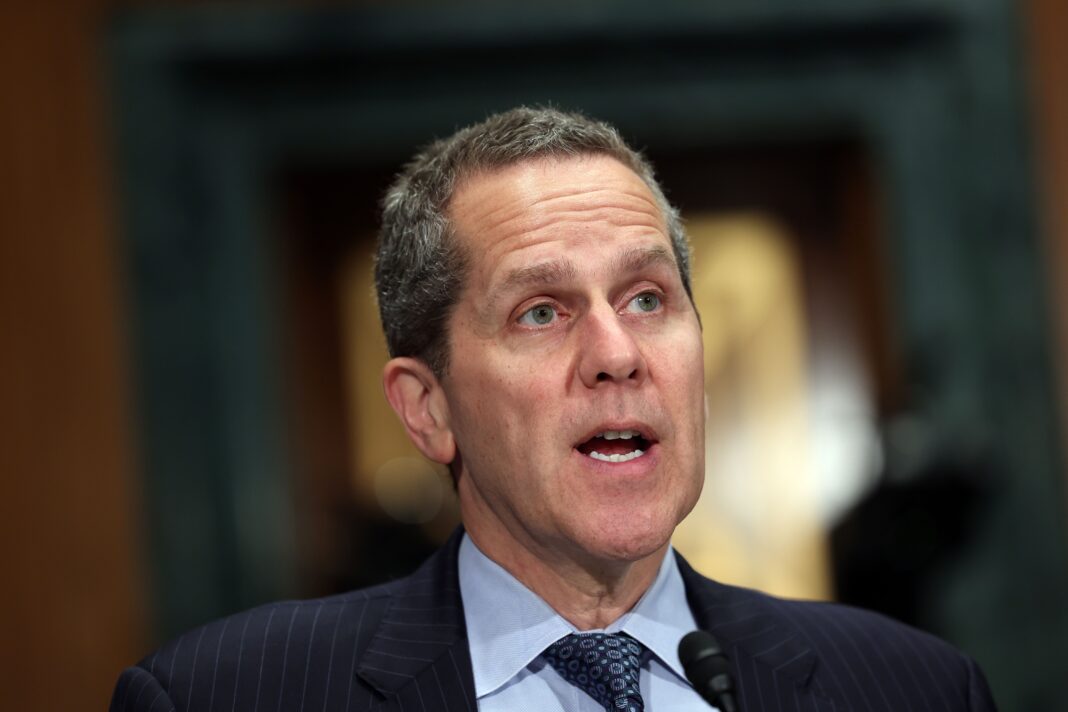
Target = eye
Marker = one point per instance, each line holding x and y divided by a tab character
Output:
645	302
540	315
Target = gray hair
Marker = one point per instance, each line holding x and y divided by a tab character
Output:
420	266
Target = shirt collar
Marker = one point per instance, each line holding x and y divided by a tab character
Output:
509	626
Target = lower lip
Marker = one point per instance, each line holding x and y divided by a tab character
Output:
637	467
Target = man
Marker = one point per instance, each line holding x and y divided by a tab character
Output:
535	293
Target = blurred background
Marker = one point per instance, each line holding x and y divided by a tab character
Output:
191	413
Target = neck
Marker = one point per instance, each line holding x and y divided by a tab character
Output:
587	592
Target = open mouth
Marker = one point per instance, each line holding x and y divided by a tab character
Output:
615	446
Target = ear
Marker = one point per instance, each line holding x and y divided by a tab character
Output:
419	401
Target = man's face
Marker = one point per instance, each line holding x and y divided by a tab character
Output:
575	382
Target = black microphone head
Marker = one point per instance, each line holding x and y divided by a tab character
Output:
706	667
697	645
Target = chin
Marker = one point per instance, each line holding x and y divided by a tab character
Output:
631	543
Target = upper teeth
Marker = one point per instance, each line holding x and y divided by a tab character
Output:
619	434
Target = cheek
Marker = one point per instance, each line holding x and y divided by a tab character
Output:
682	364
682	373
519	403
694	351
523	382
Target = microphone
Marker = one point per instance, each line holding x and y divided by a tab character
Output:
708	669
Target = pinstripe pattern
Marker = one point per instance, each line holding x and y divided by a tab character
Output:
402	647
806	656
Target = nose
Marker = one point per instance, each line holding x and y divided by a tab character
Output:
608	351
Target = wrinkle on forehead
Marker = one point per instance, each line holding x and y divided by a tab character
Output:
543	213
513	200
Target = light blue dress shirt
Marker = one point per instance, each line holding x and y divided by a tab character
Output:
509	626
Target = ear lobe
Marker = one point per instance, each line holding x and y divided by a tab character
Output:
416	396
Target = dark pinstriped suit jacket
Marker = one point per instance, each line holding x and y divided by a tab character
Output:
403	647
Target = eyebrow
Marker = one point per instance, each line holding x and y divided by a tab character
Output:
543	273
635	259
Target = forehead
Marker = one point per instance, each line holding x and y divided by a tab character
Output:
551	207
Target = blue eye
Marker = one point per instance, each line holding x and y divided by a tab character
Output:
540	315
645	302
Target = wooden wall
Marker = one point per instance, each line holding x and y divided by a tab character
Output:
72	608
1045	24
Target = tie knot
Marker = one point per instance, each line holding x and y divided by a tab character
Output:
604	666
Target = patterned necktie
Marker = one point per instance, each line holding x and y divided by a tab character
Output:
606	667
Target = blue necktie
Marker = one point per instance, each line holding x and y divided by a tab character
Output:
606	667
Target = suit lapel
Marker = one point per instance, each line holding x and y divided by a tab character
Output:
418	657
772	663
